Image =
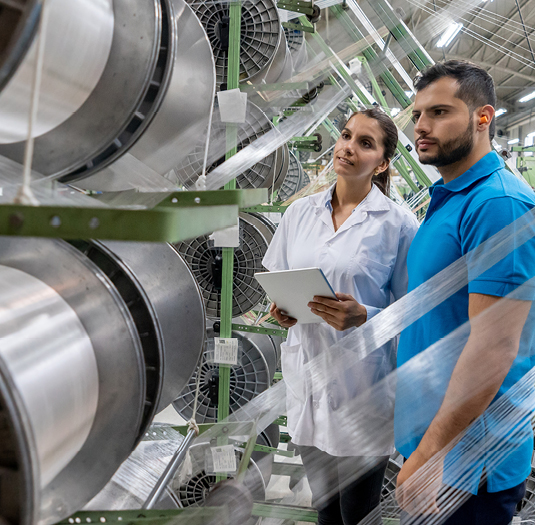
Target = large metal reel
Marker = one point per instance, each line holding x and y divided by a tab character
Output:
18	24
167	307
86	291
251	376
293	180
78	42
195	490
258	176
160	56
206	264
260	44
390	508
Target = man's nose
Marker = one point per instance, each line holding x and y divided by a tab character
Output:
422	126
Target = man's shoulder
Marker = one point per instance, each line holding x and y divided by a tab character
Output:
502	186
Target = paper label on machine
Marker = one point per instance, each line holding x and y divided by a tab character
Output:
226	351
224	459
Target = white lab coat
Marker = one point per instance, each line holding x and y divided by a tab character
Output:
366	258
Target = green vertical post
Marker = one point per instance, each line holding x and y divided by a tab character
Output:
233	80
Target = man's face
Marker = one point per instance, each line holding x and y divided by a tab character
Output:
443	126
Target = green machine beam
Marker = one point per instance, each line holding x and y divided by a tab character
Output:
369	53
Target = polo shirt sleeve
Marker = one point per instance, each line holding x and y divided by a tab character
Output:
516	267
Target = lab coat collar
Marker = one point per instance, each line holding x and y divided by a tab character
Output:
375	201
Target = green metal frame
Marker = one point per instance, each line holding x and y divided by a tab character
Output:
299	6
260	330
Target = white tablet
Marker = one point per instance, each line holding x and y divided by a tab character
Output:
292	290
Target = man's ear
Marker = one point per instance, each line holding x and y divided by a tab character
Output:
484	116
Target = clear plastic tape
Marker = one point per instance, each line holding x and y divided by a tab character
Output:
293	126
348	355
133	482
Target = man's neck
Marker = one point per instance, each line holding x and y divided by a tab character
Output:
452	171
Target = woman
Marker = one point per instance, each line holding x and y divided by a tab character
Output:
360	239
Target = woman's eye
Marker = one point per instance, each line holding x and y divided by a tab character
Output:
366	144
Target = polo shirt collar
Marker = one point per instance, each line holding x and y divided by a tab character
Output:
490	163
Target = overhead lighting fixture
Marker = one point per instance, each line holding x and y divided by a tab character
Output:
394	111
500	112
527	97
513	141
530	136
447	37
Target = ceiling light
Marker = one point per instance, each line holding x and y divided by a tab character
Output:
448	35
530	136
394	111
500	112
513	141
528	97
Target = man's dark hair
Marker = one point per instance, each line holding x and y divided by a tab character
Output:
476	87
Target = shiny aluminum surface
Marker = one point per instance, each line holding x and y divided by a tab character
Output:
176	304
18	24
184	112
107	119
52	362
78	41
19	464
109	325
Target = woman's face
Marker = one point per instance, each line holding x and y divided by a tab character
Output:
359	150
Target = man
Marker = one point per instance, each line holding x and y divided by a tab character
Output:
476	198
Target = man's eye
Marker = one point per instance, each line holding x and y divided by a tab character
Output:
415	118
345	135
439	112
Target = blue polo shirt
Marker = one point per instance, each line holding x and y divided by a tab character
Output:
461	215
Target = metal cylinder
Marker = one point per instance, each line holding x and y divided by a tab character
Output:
78	40
153	97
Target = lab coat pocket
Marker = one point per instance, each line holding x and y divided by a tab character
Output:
362	380
378	273
293	370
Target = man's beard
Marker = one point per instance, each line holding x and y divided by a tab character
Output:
453	150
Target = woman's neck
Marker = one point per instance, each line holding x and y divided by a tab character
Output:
350	195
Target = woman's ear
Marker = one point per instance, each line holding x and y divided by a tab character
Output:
383	166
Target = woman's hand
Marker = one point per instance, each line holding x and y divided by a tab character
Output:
342	314
284	320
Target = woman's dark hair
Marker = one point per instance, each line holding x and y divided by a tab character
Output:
390	142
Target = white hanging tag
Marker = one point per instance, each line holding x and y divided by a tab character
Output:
227	237
224	459
226	351
232	105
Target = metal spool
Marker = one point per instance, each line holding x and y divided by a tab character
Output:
251	376
78	42
157	45
305	181
206	264
167	307
260	38
47	265
282	166
293	180
270	437
389	506
18	23
256	124
528	501
195	490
